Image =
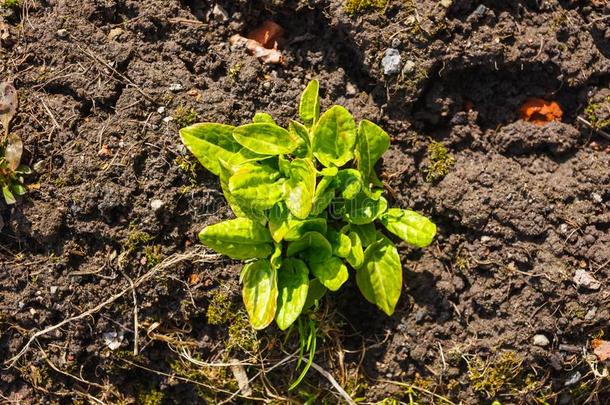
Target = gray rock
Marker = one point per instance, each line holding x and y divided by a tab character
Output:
541	340
391	62
573	379
396	43
175	87
583	279
62	33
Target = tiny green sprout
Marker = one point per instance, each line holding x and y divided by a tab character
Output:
308	206
11	148
440	161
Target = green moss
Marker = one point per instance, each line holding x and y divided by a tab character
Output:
234	70
360	6
241	334
500	374
185	116
220	311
153	255
136	238
440	161
598	114
12	4
151	397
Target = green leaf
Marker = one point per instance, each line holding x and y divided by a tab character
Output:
331	272
298	228
260	293
341	243
226	171
315	293
356	255
256	187
334	137
239	238
301	133
311	244
325	192
263	117
329	172
8	196
380	276
279	221
23	169
276	257
265	138
363	209
349	182
366	232
309	107
301	187
293	285
371	145
210	142
18	189
413	228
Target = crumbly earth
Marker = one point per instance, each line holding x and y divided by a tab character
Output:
522	208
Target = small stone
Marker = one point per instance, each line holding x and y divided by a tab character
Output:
478	13
156	204
112	339
573	379
583	279
62	33
396	43
115	33
32	311
219	13
597	198
168	119
563	229
391	62
446	3
175	87
350	89
53	289
409	67
590	314
485	239
420	315
541	340
161	110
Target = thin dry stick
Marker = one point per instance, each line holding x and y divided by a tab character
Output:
169	262
334	383
598	130
135	314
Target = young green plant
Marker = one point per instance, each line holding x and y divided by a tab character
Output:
308	206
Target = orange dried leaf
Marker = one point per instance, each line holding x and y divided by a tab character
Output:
194	279
256	49
267	34
601	348
540	112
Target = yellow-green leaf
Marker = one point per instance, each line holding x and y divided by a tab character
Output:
331	272
309	106
371	145
356	255
334	137
363	209
413	228
380	276
311	244
239	238
256	187
265	138
260	293
301	187
293	284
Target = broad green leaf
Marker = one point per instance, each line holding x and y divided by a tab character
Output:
371	145
311	244
341	243
256	187
265	138
380	276
315	293
366	232
260	293
413	228
283	165
279	221
263	117
301	187
331	272
325	192
226	171
13	151
8	196
356	255
18	189
293	284
309	107
334	137
301	133
349	182
363	209
329	172
298	228
239	238
209	142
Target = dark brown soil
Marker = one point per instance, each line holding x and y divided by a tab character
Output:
520	211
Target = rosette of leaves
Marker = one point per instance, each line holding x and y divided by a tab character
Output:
11	148
308	209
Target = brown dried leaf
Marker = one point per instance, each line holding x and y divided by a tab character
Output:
13	151
269	56
267	34
8	104
601	348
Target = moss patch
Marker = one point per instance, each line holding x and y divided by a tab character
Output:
360	6
185	116
440	161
